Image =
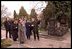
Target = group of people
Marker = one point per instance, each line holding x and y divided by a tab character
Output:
21	29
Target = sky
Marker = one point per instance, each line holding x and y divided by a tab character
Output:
28	5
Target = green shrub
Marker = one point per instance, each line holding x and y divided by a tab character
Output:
5	43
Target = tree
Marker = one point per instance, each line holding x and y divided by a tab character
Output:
4	11
22	12
15	14
56	9
39	6
48	13
63	8
33	14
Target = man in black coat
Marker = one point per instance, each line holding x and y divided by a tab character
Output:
11	27
28	29
35	28
7	27
15	30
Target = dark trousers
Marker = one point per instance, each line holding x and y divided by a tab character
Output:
28	34
7	33
28	37
14	38
15	35
36	34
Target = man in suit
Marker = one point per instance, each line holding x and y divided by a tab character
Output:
15	30
7	27
35	28
28	29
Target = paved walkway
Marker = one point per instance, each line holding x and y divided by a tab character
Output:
43	43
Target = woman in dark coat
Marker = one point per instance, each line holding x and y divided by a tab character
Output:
15	31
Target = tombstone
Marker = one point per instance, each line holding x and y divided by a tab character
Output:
51	27
57	28
63	29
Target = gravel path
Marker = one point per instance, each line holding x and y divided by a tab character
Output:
42	43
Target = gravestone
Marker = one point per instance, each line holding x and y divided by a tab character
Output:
51	27
57	29
63	29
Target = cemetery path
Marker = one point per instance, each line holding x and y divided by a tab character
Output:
42	43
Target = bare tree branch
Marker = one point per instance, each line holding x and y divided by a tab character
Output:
4	11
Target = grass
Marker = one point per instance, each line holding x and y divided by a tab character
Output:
41	29
5	43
